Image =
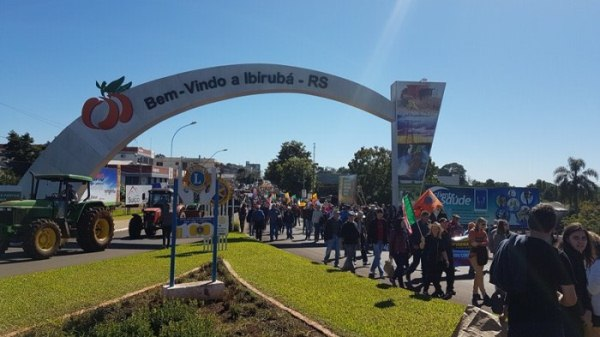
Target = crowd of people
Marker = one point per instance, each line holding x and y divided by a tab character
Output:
547	287
369	230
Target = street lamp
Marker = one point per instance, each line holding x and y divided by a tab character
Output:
192	123
222	150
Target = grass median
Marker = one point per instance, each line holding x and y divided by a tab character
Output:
347	304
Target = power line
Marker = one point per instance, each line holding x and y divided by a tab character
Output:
33	116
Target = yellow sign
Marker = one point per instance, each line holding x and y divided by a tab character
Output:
197	178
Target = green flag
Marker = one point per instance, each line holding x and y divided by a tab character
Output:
409	213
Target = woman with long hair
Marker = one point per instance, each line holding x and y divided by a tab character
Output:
577	254
478	257
435	259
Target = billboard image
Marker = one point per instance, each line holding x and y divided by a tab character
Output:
509	203
417	107
104	186
347	189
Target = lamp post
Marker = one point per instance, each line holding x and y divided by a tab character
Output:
222	150
192	123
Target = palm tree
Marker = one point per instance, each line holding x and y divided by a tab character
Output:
574	181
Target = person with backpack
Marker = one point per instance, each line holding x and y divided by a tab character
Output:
536	282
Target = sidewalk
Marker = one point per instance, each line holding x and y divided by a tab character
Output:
316	252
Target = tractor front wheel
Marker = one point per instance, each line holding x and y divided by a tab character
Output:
42	239
135	227
150	230
95	230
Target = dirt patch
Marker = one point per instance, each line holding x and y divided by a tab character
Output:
239	313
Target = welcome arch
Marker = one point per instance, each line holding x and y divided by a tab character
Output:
110	123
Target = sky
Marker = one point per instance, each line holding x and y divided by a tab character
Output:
521	76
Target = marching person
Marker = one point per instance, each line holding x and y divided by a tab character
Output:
399	249
420	229
350	237
377	232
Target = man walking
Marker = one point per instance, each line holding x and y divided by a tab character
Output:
420	229
350	236
529	269
331	236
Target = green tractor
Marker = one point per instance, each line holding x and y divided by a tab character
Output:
42	225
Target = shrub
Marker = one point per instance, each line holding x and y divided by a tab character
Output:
191	327
137	325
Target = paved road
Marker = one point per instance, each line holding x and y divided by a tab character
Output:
14	262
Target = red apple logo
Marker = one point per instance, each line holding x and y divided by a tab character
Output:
112	107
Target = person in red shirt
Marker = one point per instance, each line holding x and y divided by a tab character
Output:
478	257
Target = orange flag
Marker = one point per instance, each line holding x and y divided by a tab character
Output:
426	202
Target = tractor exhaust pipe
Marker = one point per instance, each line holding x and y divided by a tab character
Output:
32	184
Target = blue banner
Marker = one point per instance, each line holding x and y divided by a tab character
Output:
509	203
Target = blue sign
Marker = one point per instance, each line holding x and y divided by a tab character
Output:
509	203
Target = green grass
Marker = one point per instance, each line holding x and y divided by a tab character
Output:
349	305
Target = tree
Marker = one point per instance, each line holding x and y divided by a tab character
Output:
298	175
277	171
432	173
20	152
489	183
588	216
574	182
454	169
7	177
548	191
373	168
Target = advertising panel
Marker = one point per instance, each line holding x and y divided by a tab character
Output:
509	203
347	189
136	194
201	228
104	186
417	106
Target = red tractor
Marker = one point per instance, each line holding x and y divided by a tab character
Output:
157	214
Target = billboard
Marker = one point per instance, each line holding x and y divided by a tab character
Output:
509	203
104	186
136	194
347	189
417	106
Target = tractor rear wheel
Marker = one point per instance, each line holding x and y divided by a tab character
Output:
95	230
135	227
42	239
